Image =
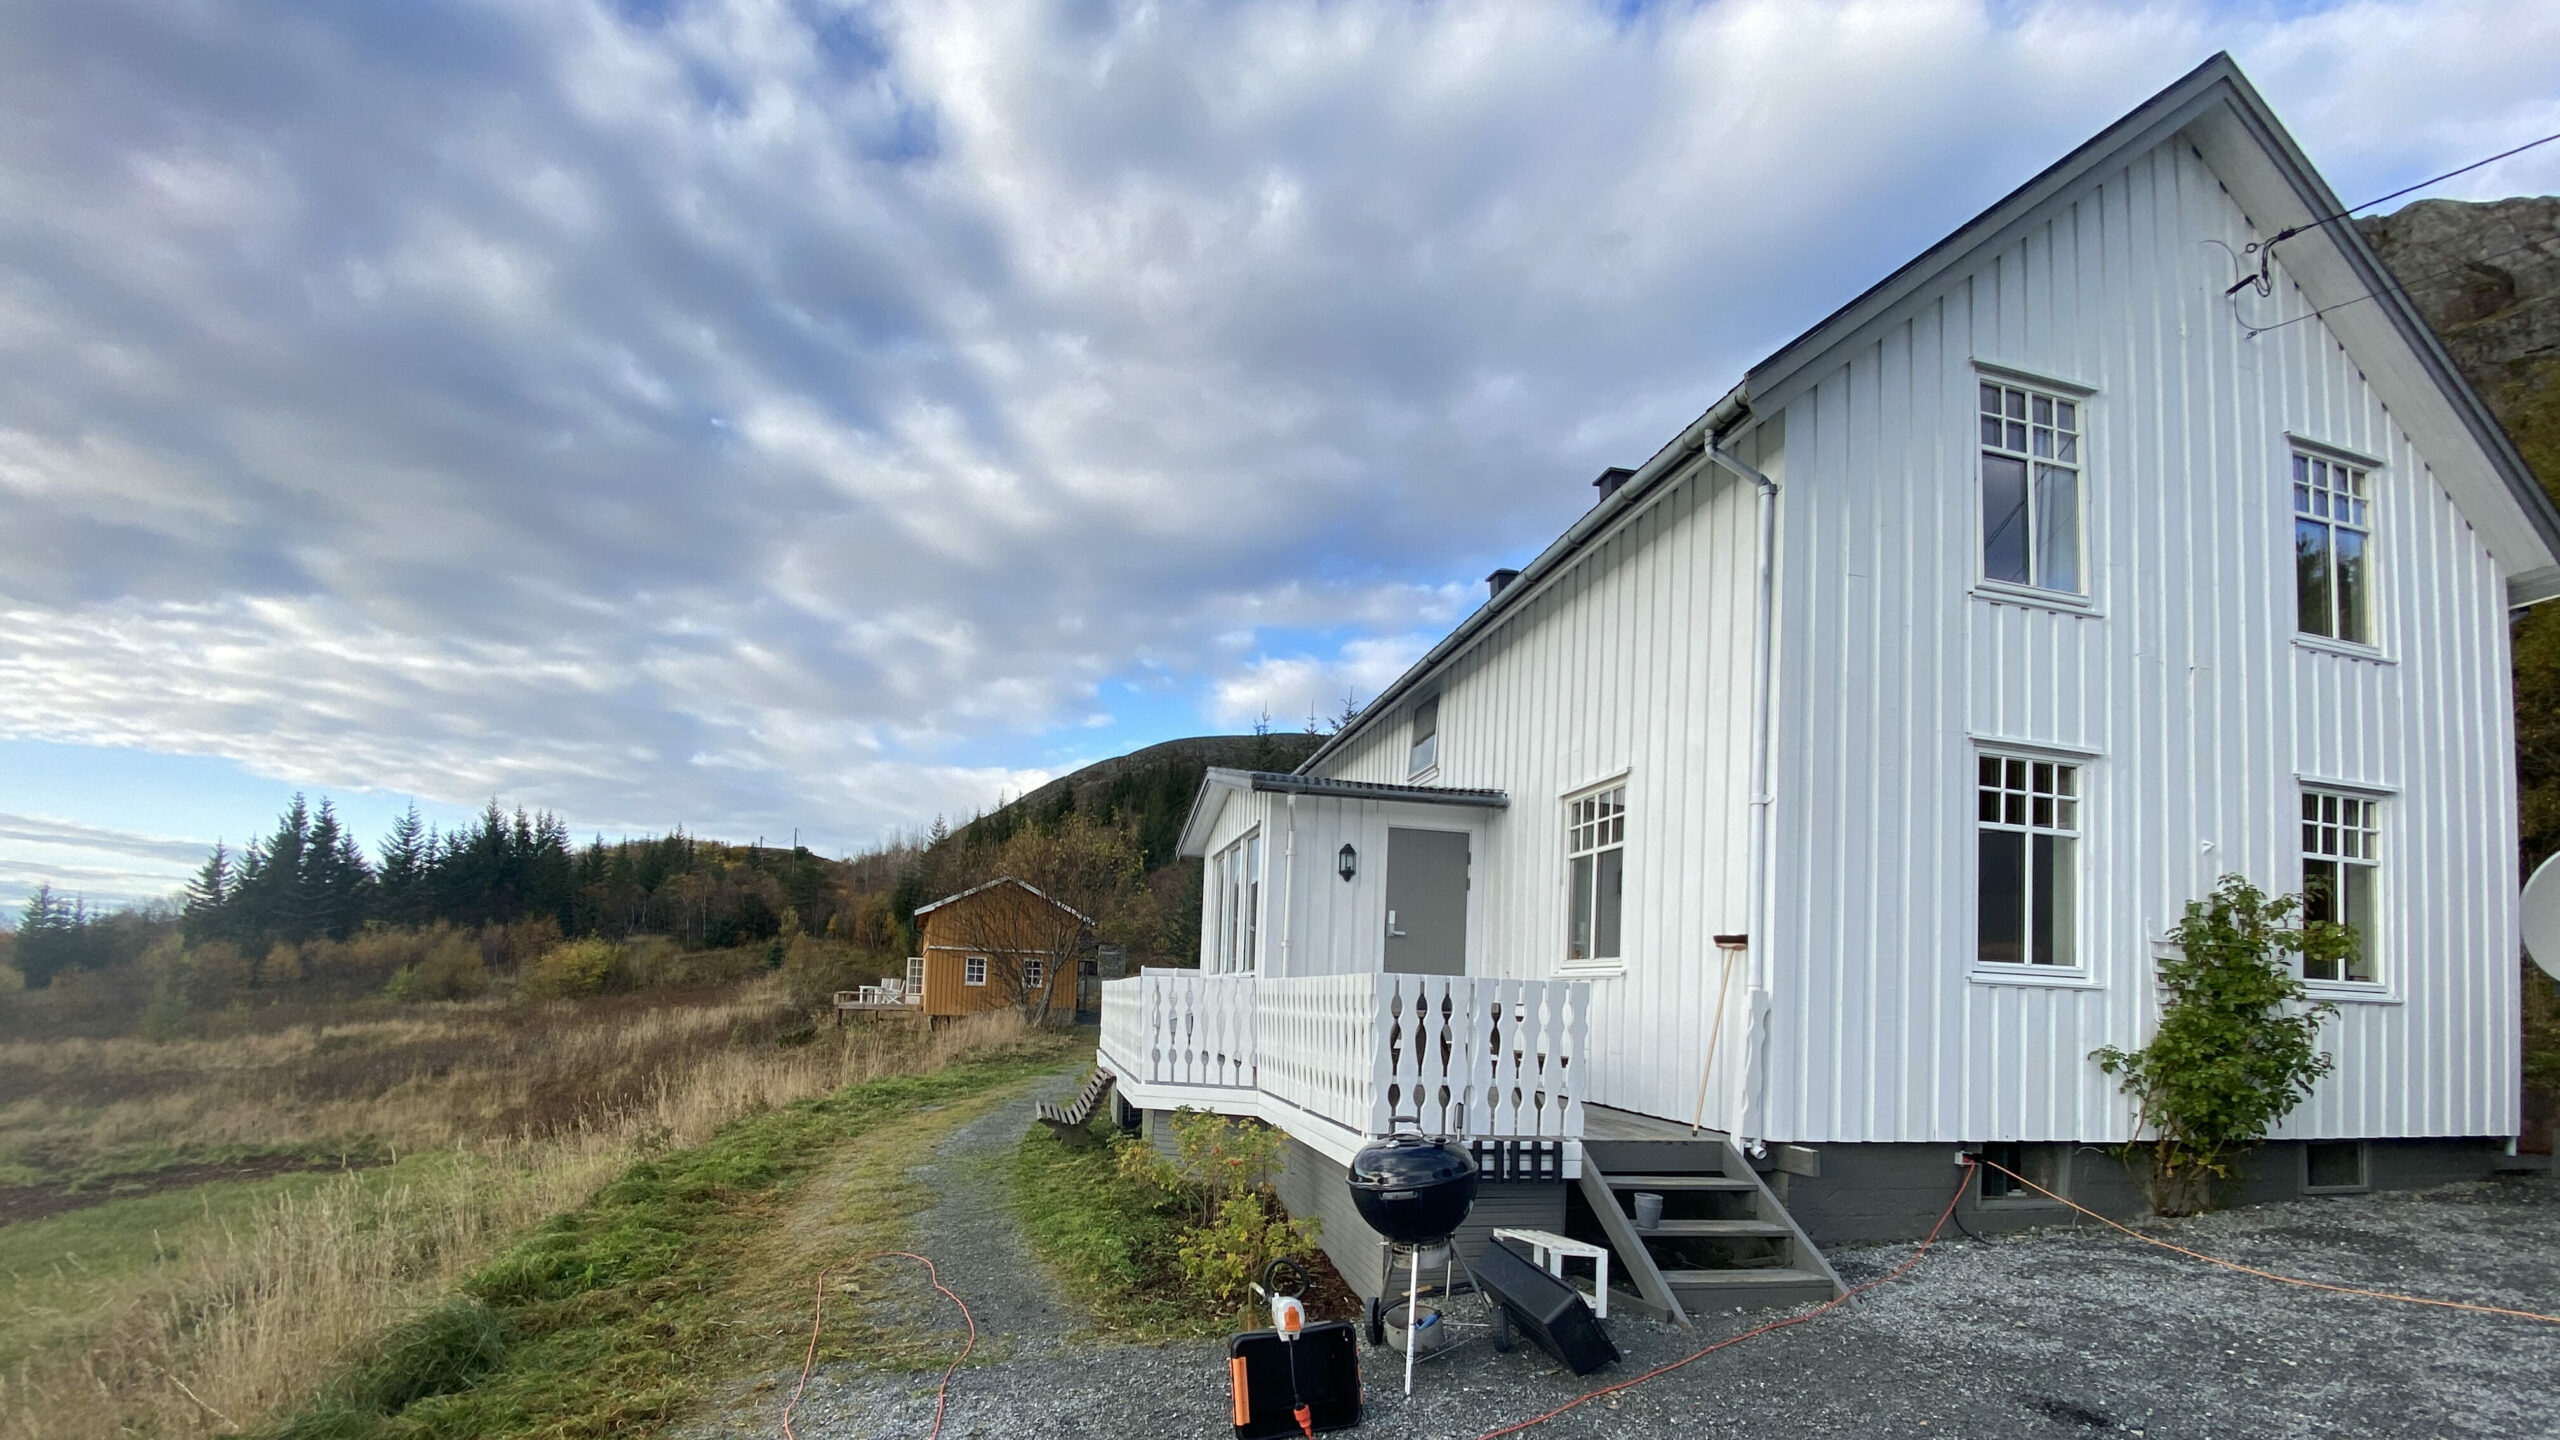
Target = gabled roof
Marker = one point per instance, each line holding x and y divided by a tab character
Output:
923	910
1220	781
2215	108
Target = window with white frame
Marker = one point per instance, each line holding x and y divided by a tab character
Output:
2027	869
2030	487
1425	752
1035	972
2341	868
1595	876
1236	879
974	970
2332	578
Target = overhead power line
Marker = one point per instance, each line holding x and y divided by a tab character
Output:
2260	248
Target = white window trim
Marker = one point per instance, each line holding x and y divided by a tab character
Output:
2083	601
1415	774
2082	973
1239	952
1604	967
2384	990
973	970
2374	472
1035	973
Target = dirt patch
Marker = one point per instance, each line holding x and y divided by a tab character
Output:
19	1203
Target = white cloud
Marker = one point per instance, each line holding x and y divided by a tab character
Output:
774	413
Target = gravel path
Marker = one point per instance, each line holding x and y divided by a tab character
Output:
2059	1333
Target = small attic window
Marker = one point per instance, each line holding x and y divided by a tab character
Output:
1425	755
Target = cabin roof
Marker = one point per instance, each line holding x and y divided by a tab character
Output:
923	910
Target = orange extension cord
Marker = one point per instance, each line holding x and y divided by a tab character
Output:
1815	1313
818	1319
2270	1274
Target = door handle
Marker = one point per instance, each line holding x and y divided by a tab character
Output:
1392	932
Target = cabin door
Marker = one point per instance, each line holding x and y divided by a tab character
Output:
1426	902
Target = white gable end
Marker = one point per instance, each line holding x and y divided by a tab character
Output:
2175	684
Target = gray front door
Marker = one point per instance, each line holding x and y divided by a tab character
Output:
1426	902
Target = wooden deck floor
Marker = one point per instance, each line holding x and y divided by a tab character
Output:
1602	1122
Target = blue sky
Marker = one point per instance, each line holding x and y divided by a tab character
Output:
772	414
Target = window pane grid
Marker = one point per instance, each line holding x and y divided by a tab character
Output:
2331	530
2027	854
1595	874
2030	531
2341	872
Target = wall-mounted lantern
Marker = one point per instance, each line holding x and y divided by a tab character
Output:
1347	862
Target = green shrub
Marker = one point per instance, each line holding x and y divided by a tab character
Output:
1219	1179
581	967
2235	1051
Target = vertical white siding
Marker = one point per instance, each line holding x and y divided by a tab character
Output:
1634	662
2185	684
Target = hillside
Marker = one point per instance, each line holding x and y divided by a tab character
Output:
2487	277
1150	788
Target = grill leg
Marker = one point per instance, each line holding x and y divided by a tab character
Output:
1412	1311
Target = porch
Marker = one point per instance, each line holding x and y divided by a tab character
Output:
1335	1059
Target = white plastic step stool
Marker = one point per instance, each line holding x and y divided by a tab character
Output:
1551	1251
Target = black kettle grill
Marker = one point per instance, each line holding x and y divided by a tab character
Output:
1413	1190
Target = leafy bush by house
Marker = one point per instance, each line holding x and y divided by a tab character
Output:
1163	1245
2236	1050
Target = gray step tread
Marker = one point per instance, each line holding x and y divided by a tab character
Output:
1717	1227
1681	1182
1743	1279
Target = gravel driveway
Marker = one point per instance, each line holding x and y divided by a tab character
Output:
2058	1333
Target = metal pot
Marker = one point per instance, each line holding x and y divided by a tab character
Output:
1413	1190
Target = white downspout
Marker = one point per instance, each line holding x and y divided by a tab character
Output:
1757	903
1289	887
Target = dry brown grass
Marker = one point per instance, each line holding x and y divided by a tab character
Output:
401	1080
533	1111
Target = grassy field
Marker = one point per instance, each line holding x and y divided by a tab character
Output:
393	1153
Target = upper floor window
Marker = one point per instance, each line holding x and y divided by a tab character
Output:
1595	876
2332	582
2030	488
2027	877
2341	865
1235	879
1426	738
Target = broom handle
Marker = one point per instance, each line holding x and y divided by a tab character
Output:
1715	1037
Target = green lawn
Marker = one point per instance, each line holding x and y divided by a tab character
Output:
60	1274
691	1269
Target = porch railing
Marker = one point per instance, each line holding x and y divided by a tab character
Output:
1459	1055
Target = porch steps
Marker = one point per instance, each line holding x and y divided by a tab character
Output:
1725	1241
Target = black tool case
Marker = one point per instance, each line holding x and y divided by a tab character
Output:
1326	1362
1552	1312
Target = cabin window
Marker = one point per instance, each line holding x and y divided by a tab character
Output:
2027	872
2332	576
1236	888
2341	869
1035	972
1595	876
974	970
1425	753
2030	488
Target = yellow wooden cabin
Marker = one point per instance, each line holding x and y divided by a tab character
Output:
989	946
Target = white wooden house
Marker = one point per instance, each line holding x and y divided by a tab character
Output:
1869	737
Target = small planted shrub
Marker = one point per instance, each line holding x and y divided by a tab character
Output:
2237	1048
1221	1175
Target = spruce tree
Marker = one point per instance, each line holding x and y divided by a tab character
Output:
400	883
208	897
